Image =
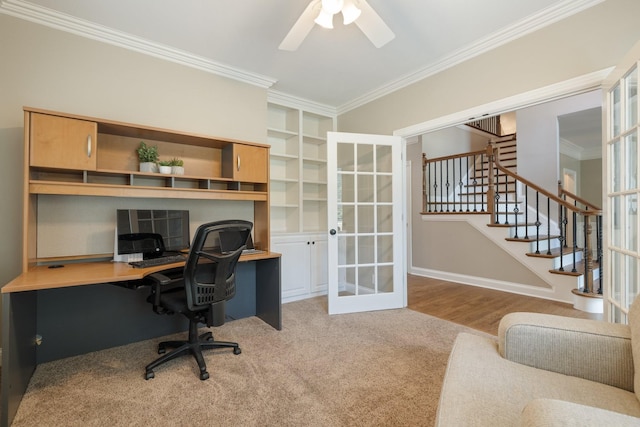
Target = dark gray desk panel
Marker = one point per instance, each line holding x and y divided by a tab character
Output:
18	350
268	292
82	319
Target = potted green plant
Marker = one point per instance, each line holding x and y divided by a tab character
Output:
148	157
165	166
177	166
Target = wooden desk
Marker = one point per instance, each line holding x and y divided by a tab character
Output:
50	313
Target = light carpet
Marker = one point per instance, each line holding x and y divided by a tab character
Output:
380	368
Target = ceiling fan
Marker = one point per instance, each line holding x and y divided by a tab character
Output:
321	12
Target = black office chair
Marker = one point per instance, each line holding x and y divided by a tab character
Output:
199	291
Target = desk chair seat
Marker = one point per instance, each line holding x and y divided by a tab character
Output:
199	292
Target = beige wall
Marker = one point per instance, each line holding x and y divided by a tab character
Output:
590	41
51	69
591	181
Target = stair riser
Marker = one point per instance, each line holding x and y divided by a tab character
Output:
566	260
524	230
543	245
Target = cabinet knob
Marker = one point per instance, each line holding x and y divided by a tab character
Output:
88	145
238	163
332	231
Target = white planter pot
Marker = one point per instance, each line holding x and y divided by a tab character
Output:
177	170
148	167
165	170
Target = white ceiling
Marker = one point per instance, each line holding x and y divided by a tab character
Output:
337	68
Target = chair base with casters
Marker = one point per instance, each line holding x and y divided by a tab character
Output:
194	345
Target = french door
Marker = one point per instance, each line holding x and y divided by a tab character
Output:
621	159
365	217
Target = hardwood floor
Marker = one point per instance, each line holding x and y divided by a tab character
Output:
476	307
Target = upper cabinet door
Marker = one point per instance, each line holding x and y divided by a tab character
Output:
245	163
62	142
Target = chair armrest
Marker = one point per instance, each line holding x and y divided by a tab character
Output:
159	282
590	349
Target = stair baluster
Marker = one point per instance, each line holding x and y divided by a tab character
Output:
548	226
575	241
538	223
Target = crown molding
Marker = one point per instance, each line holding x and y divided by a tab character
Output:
287	100
574	151
60	21
516	30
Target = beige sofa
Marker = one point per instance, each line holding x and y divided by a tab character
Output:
545	370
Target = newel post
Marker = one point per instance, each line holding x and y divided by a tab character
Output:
588	256
491	201
424	183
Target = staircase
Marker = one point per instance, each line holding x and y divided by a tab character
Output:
551	235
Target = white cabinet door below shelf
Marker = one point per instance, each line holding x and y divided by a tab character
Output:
318	264
294	266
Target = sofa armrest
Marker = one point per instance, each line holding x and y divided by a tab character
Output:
551	413
590	349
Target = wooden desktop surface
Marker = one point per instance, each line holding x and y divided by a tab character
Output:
88	273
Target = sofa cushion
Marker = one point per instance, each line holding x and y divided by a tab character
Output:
555	343
551	413
634	324
481	388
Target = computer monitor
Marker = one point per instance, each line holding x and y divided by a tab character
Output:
146	233
232	240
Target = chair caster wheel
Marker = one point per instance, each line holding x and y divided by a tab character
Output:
148	375
236	350
204	375
162	350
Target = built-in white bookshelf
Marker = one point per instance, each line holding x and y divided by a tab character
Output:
298	169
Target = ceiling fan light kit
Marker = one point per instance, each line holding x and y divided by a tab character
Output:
324	19
321	12
350	12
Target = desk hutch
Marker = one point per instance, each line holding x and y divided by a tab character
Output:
77	156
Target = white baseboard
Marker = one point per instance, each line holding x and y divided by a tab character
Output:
514	288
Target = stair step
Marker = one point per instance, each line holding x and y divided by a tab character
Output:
480	184
531	239
568	269
555	252
510	225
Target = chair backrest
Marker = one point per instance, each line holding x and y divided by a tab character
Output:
209	275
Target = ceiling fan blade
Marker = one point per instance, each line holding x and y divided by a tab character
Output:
373	26
301	28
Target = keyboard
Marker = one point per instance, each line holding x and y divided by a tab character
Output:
252	251
154	262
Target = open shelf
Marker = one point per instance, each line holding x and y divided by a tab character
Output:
298	165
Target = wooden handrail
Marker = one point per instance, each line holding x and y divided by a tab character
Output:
453	156
541	190
563	192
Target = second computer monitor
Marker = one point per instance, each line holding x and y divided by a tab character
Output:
152	232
